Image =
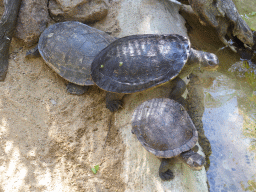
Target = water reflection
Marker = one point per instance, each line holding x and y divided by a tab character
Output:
223	110
222	106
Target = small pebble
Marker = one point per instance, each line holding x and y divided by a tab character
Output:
53	102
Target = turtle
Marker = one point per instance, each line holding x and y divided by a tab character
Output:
164	128
69	49
139	62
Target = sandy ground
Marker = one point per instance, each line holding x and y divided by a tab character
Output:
48	136
50	140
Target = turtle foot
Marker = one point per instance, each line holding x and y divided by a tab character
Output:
167	175
114	105
76	89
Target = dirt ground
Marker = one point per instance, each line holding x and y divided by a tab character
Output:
49	139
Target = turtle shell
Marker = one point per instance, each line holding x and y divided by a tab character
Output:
138	62
164	127
69	49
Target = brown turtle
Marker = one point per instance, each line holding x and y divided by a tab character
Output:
165	129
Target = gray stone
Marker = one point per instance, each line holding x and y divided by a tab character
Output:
140	168
32	21
79	10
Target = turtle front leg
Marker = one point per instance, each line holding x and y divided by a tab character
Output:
76	89
193	159
164	172
113	101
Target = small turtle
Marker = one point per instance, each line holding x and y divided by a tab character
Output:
165	129
138	62
69	49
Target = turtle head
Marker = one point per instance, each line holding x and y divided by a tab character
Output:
207	61
196	161
193	160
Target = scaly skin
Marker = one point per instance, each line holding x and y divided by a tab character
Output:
193	159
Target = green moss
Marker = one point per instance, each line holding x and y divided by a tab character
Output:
249	75
247	9
252	186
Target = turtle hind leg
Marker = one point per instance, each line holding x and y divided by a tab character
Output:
76	89
164	172
193	159
113	101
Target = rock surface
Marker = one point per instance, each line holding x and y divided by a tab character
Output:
32	21
140	172
7	28
150	16
224	17
79	10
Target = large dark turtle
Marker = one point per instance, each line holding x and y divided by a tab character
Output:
138	62
69	49
165	129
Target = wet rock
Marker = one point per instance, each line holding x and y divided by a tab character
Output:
80	10
1	7
225	19
7	26
195	107
32	21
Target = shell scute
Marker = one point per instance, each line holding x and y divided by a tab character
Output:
69	49
147	61
164	127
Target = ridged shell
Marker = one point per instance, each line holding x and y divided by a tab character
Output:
164	127
70	47
138	62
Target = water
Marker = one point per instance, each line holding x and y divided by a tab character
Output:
222	105
232	163
228	116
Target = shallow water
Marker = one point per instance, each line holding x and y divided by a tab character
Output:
232	163
229	122
222	105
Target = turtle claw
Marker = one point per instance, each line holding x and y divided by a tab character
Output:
114	105
167	175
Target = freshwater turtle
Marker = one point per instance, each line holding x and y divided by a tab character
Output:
69	49
138	62
165	129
